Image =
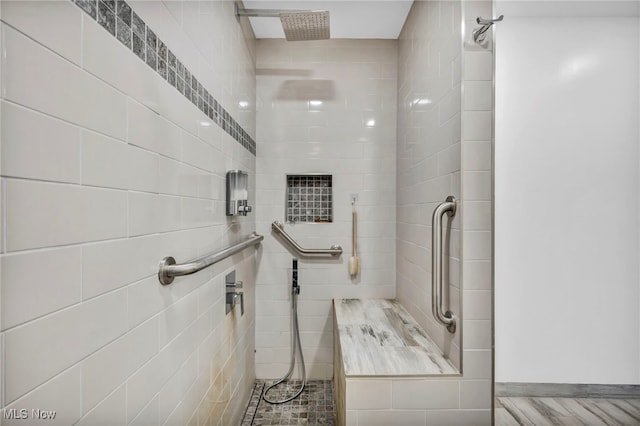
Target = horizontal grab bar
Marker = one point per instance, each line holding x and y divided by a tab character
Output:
335	250
169	270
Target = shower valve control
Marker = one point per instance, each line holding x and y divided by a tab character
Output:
232	294
237	284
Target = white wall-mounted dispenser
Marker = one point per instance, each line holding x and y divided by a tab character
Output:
237	193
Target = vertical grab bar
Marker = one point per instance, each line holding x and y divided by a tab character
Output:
447	319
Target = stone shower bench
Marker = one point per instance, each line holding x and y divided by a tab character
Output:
379	346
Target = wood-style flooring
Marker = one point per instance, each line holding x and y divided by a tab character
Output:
535	411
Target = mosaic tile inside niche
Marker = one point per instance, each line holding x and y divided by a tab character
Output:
309	198
122	22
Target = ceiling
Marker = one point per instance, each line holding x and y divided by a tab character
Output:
571	8
349	18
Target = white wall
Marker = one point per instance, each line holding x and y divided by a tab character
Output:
356	82
106	169
566	200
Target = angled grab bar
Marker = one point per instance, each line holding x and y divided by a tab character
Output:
169	270
447	319
277	226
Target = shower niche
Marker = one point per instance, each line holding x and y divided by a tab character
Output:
309	198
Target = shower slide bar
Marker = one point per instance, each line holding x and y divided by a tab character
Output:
169	269
278	227
437	261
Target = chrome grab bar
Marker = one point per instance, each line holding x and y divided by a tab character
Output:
277	226
437	260
169	270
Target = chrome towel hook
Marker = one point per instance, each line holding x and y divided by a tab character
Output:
479	33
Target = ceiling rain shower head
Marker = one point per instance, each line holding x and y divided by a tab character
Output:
301	26
298	25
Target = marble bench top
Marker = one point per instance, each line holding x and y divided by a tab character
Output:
378	337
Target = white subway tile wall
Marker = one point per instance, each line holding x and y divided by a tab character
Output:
323	107
429	157
477	250
108	164
425	394
106	168
429	164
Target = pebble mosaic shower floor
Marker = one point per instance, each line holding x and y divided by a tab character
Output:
314	407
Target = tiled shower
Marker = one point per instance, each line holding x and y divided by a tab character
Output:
323	125
107	168
119	121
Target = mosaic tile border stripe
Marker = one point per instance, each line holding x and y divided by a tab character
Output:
122	22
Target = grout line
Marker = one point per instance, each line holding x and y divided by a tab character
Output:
69	307
3	211
56	118
82	18
3	357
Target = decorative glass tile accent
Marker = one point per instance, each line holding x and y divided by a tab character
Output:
137	24
138	46
117	17
123	32
309	198
151	58
124	12
152	40
162	50
106	16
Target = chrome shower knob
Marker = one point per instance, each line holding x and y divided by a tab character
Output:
237	284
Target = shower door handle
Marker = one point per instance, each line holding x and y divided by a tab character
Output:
437	260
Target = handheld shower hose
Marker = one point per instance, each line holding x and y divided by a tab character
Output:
295	291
